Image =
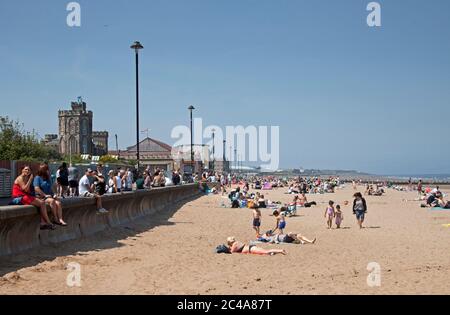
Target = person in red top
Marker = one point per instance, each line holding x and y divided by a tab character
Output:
22	191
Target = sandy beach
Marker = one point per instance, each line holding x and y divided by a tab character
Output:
174	253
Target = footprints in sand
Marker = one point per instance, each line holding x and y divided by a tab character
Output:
129	259
12	278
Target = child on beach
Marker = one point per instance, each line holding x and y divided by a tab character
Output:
281	221
329	214
339	216
257	221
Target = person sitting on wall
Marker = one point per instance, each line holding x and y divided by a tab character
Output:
162	181
43	188
99	183
176	178
140	182
148	180
157	179
23	194
87	190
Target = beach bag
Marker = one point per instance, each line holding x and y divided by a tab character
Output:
235	204
222	249
16	202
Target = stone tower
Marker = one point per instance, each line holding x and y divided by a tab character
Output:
100	140
75	129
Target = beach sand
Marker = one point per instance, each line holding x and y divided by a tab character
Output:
174	253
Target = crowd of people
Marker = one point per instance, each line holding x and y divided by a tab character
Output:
47	189
246	195
434	198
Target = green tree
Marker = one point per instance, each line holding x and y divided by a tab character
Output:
131	162
108	159
75	159
18	144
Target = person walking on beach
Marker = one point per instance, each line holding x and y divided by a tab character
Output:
339	217
329	214
420	188
359	208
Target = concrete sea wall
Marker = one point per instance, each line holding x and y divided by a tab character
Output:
19	225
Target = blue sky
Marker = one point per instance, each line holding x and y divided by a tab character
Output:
345	96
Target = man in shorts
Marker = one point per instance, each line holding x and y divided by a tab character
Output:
86	190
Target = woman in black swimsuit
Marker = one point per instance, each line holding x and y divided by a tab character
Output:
238	247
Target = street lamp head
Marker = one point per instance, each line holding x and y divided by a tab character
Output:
191	108
137	46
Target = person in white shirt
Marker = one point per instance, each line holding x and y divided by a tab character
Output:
86	190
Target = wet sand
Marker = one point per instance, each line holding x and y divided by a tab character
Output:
174	253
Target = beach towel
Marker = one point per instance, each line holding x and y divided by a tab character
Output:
439	209
267	186
281	243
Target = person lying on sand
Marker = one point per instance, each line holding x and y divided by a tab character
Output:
441	202
436	199
289	238
242	248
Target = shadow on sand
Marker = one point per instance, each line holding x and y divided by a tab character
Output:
107	239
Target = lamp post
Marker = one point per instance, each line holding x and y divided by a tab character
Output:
238	164
214	148
191	109
137	46
235	159
230	155
224	157
117	148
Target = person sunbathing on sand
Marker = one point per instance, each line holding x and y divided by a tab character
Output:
289	238
242	248
441	202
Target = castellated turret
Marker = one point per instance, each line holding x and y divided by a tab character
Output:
75	131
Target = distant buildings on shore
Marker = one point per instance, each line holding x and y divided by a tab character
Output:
76	137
